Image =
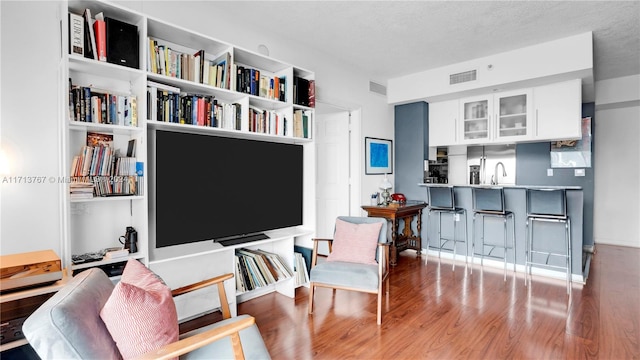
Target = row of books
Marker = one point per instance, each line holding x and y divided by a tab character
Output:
267	122
101	160
164	60
87	187
99	170
117	185
168	104
304	92
252	81
87	104
302	123
258	268
302	277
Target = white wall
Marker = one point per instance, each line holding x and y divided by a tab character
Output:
336	83
617	162
30	55
30	213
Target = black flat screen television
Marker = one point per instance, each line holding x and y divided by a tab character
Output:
213	188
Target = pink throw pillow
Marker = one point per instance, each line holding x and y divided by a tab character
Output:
355	243
140	313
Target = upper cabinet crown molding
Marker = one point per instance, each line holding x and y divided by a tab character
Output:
550	62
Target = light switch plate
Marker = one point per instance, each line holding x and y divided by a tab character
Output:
549	172
578	172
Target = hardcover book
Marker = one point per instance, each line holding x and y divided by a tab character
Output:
76	34
99	29
90	38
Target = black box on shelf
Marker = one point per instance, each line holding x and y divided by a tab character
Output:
122	43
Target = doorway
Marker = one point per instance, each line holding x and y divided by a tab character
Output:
333	166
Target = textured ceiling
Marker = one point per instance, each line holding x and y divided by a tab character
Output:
392	38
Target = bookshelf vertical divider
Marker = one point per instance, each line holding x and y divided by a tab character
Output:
93	223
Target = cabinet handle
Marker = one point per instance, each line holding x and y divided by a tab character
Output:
536	122
455	130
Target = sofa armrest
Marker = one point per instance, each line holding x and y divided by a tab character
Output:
197	341
219	281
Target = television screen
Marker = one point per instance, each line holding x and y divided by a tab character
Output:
211	187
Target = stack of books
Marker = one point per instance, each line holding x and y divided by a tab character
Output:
115	253
80	190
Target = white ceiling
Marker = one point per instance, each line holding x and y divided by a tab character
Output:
393	38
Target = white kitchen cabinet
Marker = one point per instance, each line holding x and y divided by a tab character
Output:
443	122
496	118
558	109
544	113
475	124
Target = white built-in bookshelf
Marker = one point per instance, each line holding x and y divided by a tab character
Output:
184	81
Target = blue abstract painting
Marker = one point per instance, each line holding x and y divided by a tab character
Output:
378	156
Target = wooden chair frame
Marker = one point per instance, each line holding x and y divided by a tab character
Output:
383	275
189	344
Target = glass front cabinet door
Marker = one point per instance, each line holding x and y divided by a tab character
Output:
497	118
475	115
513	115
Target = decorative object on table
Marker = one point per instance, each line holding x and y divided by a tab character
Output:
573	153
385	185
378	156
374	199
399	198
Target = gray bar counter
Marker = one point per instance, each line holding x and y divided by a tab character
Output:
548	235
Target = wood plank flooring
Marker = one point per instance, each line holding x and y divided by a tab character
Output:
433	312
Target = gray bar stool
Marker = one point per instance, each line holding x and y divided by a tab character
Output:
489	202
441	200
547	205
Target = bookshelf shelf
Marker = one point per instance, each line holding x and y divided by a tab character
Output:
104	128
99	199
84	65
96	223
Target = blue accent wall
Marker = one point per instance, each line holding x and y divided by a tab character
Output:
411	145
533	160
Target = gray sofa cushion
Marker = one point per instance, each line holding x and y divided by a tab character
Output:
68	325
252	344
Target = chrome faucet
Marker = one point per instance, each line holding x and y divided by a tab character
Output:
494	177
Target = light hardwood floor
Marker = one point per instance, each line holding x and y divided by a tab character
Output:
433	312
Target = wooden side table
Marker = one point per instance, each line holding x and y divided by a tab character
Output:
394	212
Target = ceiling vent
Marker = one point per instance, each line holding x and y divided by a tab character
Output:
377	88
462	77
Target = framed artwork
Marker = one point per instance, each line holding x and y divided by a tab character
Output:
573	153
378	156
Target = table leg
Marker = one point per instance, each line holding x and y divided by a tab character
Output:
394	250
419	235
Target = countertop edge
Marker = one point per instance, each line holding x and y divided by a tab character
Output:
507	186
